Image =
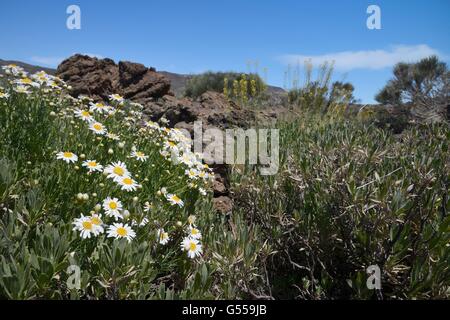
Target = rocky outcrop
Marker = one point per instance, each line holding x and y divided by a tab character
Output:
211	107
99	78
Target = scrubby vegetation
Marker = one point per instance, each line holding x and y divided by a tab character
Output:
241	87
320	94
348	196
424	85
88	185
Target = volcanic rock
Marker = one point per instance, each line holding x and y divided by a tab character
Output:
99	78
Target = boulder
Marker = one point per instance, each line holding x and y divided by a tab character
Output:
99	78
223	204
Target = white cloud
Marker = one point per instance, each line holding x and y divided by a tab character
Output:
366	59
47	61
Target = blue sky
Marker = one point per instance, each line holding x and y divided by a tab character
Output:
199	35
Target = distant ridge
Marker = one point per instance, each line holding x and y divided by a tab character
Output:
27	67
177	81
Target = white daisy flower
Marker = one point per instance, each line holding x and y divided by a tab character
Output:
87	227
113	136
27	82
92	165
144	222
147	207
97	128
163	237
119	230
126	183
67	157
152	125
54	85
84	115
203	174
170	145
192	246
116	97
112	207
202	191
41	77
4	95
174	200
187	159
194	233
21	89
117	170
96	219
164	120
139	155
192	174
99	107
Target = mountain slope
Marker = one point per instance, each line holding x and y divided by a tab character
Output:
177	81
27	67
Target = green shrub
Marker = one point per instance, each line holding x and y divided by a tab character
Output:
225	82
320	94
348	196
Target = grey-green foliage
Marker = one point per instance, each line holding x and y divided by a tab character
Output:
319	93
425	85
348	196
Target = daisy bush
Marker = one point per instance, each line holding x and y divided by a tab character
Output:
92	185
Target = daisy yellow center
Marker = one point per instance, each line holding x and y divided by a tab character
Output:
127	181
26	80
87	225
121	231
194	231
96	221
119	171
99	105
140	154
192	246
176	199
67	154
92	164
171	143
113	205
98	126
85	113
